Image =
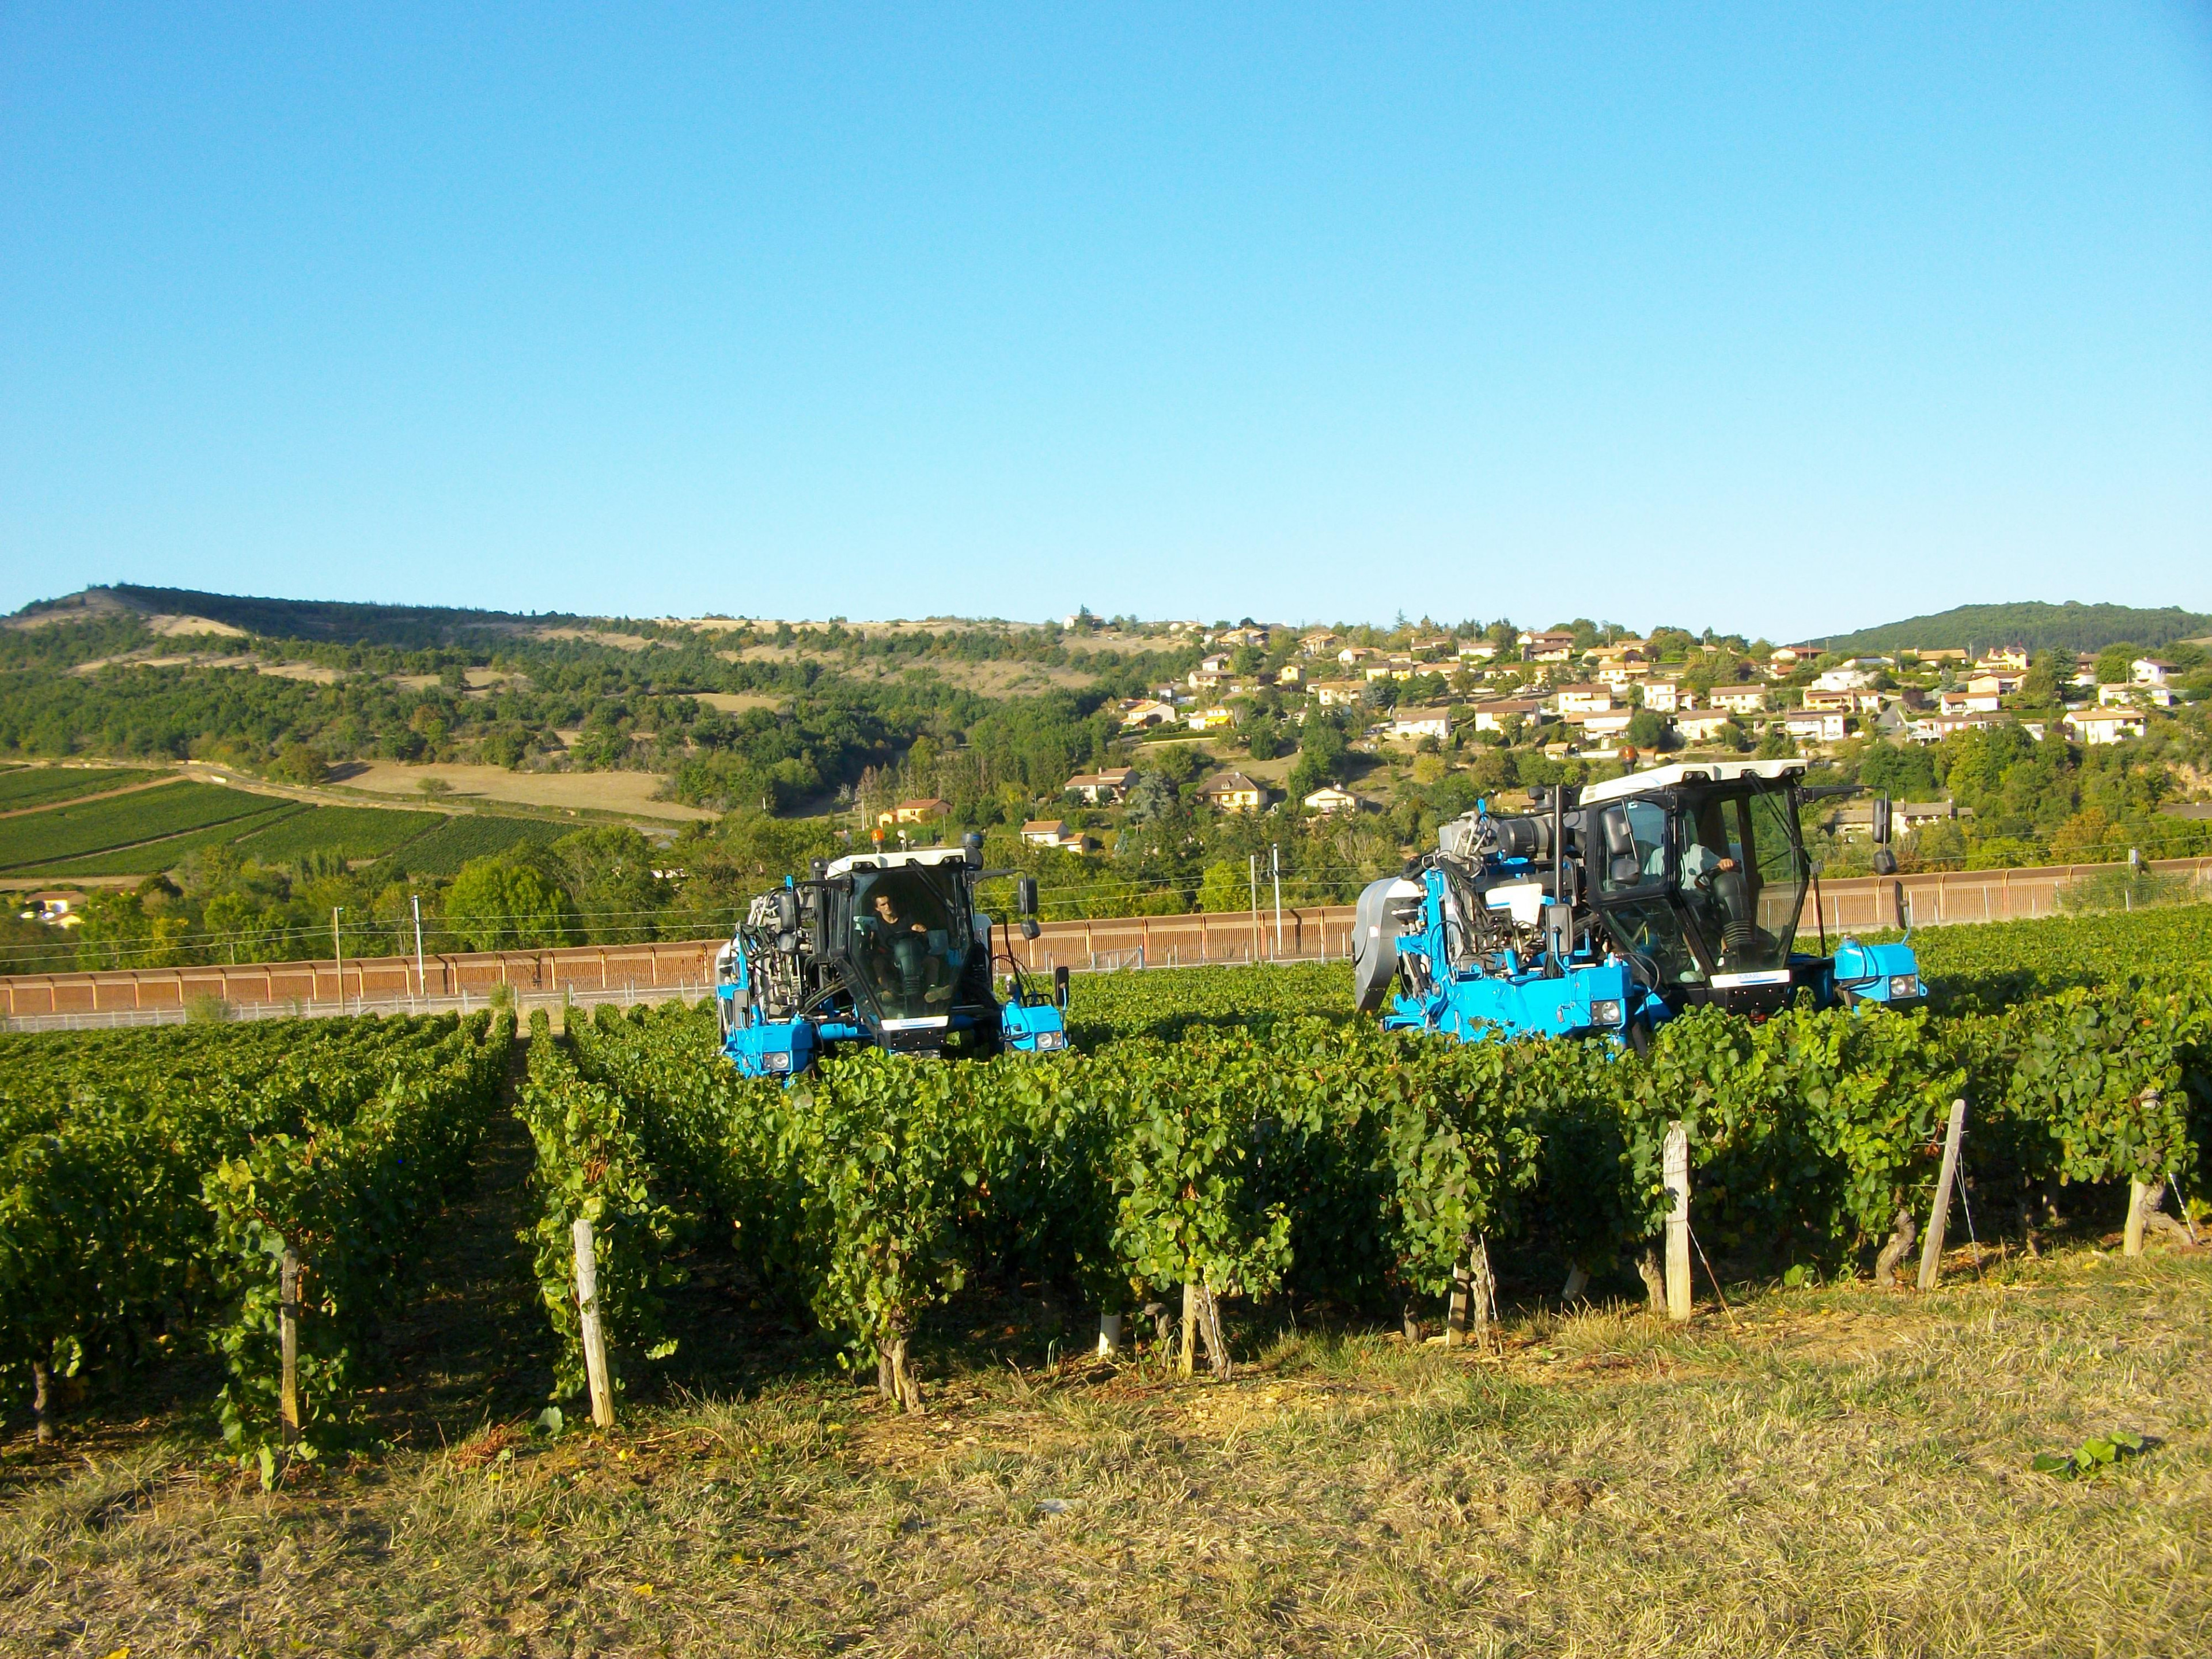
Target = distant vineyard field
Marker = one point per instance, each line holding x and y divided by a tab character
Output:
153	857
353	832
22	787
444	850
44	839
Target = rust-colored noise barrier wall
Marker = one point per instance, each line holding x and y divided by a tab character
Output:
1313	934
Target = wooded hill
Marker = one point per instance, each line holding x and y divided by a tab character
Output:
2037	626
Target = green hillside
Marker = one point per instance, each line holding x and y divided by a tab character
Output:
409	627
2037	626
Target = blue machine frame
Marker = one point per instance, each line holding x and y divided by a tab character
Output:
789	991
1548	959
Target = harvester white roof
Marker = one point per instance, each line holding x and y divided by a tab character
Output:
1663	777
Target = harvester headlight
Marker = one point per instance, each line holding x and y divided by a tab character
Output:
1051	1040
779	1062
1904	985
1607	1012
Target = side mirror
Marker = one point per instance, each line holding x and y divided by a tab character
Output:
1025	895
786	911
1884	861
1029	927
1625	870
1881	821
1059	988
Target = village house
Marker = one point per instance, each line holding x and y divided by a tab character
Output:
1811	725
1582	700
1703	724
1232	791
2150	670
2135	694
1595	723
1491	716
2100	725
1353	655
2005	660
1554	645
1101	788
1290	674
1330	799
1476	650
1665	697
1147	713
1967	700
1318	645
1739	699
1053	832
1209	720
1337	694
54	907
1417	723
1937	727
915	811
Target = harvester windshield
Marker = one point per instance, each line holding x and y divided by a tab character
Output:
1702	878
1743	873
910	947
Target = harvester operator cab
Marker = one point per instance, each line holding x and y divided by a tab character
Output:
907	948
1610	909
882	949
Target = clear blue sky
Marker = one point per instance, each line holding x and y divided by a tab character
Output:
1728	315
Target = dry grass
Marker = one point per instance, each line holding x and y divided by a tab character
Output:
600	792
1838	1473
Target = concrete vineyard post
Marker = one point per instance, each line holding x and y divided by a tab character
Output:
1186	1359
1110	1335
1674	1164
595	1340
1462	1298
1931	1252
41	1398
288	1338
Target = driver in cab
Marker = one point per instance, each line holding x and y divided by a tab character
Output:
902	944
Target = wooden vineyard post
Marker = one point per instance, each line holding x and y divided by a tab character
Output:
287	1337
41	1399
1931	1252
2142	1195
1186	1358
1462	1298
595	1340
1676	1170
1482	1285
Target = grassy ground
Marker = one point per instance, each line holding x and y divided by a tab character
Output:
1819	1471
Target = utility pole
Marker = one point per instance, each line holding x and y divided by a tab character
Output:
1275	868
421	988
1255	906
338	946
